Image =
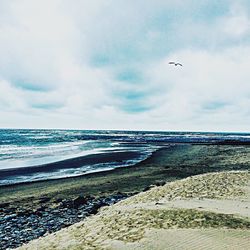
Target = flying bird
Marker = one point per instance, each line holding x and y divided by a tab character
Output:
175	63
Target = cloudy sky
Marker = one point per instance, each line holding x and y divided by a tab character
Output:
103	64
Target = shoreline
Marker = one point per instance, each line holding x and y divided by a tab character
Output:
163	166
71	163
100	158
172	162
78	161
88	174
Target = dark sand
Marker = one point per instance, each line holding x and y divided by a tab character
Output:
167	164
71	163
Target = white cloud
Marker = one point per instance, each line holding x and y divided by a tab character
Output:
237	23
11	98
60	64
212	89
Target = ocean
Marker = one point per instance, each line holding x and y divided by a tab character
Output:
28	155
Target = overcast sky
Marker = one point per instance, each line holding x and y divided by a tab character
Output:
103	64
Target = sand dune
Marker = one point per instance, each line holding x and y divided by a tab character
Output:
209	211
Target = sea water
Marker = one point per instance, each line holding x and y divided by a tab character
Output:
22	148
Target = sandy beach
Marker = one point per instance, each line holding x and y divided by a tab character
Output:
209	211
37	209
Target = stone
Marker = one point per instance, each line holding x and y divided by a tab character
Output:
24	225
148	188
44	199
4	204
80	200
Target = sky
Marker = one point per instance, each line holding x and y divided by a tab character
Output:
104	64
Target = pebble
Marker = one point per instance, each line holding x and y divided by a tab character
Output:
24	225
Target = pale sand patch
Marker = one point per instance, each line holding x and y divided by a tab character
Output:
138	220
186	239
236	207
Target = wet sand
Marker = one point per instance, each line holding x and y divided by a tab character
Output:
77	162
167	164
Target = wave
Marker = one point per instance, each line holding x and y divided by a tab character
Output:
28	149
73	167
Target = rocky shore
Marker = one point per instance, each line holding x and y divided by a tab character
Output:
21	226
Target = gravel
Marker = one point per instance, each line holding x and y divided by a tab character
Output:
21	226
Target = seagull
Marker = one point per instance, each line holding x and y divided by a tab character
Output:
175	63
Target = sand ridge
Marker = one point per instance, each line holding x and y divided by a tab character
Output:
204	206
212	185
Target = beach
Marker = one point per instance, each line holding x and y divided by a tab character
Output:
209	211
39	208
124	125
